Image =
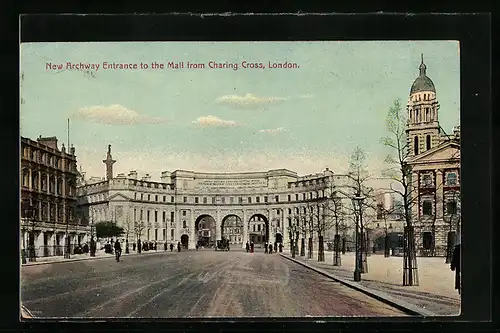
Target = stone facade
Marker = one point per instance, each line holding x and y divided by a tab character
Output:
186	206
48	197
435	180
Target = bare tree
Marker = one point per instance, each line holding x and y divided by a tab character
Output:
294	234
139	227
333	216
128	228
323	224
29	224
400	172
309	219
302	222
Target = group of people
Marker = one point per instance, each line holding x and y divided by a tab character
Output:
268	248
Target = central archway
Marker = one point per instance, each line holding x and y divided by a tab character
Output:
205	230
232	229
185	241
258	230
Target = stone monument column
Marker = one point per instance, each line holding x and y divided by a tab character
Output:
192	229
218	233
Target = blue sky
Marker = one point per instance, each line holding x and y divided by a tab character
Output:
225	120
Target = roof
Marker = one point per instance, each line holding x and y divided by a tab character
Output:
422	82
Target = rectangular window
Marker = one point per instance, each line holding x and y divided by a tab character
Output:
135	214
427	180
451	207
223	199
196	200
278	223
156	216
296	197
172	199
142	196
185	199
164	198
164	234
231	200
265	198
156	234
254	228
258	227
249	200
427	208
213	200
164	216
427	240
289	197
184	224
171	216
183	213
257	199
149	197
277	198
303	196
289	211
172	233
135	196
148	216
451	179
240	200
156	198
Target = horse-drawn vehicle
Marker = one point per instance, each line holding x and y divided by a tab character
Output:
222	245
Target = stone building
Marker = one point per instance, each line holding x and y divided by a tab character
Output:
434	157
191	207
48	197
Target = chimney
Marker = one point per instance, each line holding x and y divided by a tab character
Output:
132	174
48	141
166	176
147	177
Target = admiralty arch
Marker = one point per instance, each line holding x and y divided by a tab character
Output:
192	207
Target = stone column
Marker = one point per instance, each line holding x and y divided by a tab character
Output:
272	234
30	181
192	236
245	229
439	196
47	182
218	232
284	228
177	225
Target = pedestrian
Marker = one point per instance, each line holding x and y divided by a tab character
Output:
133	246
455	266
178	246
196	246
270	248
252	245
281	247
275	247
165	245
265	248
247	247
171	247
118	250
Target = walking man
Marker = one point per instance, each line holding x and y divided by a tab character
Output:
265	247
118	250
247	246
178	246
455	266
171	247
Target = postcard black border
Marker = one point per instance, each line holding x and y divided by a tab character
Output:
473	32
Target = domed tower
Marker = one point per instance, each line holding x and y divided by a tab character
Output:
423	125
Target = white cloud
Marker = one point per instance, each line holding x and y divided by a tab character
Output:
115	115
213	121
248	101
273	130
306	96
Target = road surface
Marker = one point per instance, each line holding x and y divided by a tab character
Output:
190	284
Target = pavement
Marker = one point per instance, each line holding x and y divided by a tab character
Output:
190	284
435	293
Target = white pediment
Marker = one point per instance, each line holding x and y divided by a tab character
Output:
449	151
118	197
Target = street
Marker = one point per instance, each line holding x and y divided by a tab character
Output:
190	284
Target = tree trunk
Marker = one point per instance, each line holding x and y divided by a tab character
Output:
387	254
321	249
302	247
343	245
410	271
310	248
336	251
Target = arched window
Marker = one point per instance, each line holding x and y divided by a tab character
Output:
417	119
428	142
415	145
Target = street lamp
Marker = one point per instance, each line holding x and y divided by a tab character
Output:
358	201
92	241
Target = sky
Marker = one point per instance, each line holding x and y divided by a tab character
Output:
223	120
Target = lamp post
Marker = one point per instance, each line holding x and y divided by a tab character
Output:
357	201
336	239
92	241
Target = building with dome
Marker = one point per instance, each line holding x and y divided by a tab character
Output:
434	157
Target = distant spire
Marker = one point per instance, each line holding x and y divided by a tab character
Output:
422	66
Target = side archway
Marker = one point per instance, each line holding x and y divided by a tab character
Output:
185	241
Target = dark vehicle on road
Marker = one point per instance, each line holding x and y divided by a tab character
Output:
222	245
